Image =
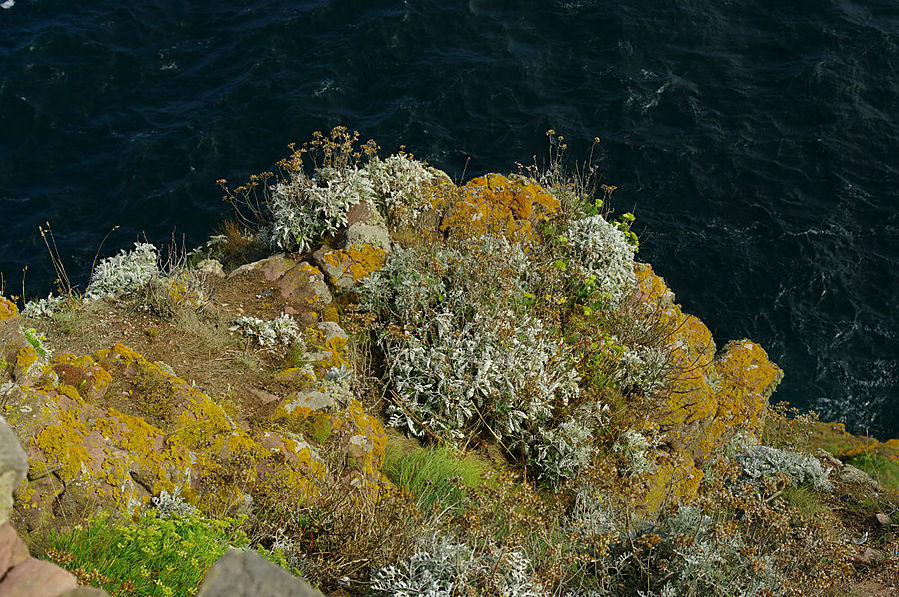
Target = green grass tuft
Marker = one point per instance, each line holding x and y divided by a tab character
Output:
433	475
882	469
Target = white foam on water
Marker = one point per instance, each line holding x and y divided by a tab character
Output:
8	4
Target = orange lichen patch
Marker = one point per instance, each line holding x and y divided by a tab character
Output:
653	288
331	352
712	397
356	262
293	416
498	205
63	444
171	393
295	376
331	314
748	378
8	309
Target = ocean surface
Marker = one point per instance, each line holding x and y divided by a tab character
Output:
757	142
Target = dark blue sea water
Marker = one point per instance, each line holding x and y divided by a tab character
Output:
758	141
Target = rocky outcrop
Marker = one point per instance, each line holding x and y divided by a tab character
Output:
157	432
246	574
362	250
494	204
20	574
715	395
13	468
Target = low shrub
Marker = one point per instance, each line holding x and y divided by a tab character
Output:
444	568
281	330
764	461
126	272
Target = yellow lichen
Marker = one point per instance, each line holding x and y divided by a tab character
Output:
25	358
498	205
8	309
359	261
672	482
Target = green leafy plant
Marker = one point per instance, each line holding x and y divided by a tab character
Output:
36	340
154	556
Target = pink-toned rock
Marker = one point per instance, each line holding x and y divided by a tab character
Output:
272	268
883	519
868	557
305	285
264	397
13	550
36	578
361	213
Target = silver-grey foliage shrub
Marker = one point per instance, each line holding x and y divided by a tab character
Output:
126	272
281	330
303	209
468	358
601	251
401	183
444	568
45	307
764	461
697	559
172	504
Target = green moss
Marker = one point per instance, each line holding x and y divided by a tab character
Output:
319	427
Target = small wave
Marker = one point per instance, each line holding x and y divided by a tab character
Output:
8	4
326	86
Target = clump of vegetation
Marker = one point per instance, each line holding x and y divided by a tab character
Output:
281	330
126	272
764	461
436	477
528	334
444	568
602	255
37	340
45	307
158	556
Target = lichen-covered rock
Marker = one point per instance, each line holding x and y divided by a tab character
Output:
363	249
99	454
12	340
13	468
8	309
272	268
174	438
368	235
498	205
345	267
304	284
83	373
711	399
327	345
314	400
